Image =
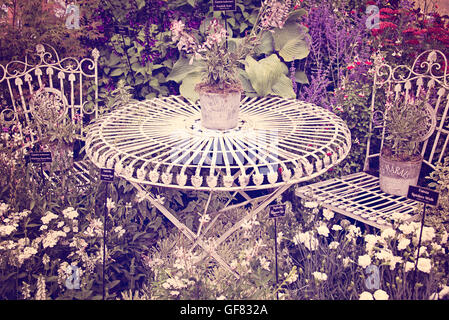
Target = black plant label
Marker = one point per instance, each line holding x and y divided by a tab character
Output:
107	175
423	195
40	157
224	5
277	210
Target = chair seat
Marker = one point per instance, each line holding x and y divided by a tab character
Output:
82	174
359	196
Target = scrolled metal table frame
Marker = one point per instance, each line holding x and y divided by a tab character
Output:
160	142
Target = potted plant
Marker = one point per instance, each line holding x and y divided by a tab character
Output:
409	121
216	68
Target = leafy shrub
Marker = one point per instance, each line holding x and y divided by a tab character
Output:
26	23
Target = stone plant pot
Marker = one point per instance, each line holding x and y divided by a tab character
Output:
395	176
219	111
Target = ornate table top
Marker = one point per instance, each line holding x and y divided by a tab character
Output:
160	142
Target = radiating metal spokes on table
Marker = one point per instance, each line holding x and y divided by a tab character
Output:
160	142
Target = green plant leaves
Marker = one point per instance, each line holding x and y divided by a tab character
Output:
283	87
301	77
290	42
116	72
187	88
268	76
183	67
266	44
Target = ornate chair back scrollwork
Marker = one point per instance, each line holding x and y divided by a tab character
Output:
45	90
69	83
359	195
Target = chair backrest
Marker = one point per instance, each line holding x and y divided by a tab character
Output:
29	88
428	76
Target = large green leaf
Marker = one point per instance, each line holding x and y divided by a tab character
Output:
114	59
301	77
187	88
290	42
284	87
246	83
294	49
182	68
116	72
266	44
265	73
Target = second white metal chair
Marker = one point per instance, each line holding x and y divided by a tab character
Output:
358	195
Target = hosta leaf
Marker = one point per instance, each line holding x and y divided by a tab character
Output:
284	87
182	68
187	88
301	77
266	45
294	49
289	42
264	73
288	32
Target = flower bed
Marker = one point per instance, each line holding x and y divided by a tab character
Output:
52	231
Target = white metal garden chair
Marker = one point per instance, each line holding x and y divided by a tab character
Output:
358	195
45	85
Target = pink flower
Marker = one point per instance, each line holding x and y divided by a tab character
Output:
387	24
177	27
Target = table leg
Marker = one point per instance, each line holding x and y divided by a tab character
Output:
268	199
225	209
184	229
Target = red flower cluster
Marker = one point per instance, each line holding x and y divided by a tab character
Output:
408	27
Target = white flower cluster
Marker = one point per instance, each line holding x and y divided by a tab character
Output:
10	221
307	238
120	231
52	238
185	260
248	225
378	295
319	276
394	250
95	228
364	260
70	213
48	217
175	284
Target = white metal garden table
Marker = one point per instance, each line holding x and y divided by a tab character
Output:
160	142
